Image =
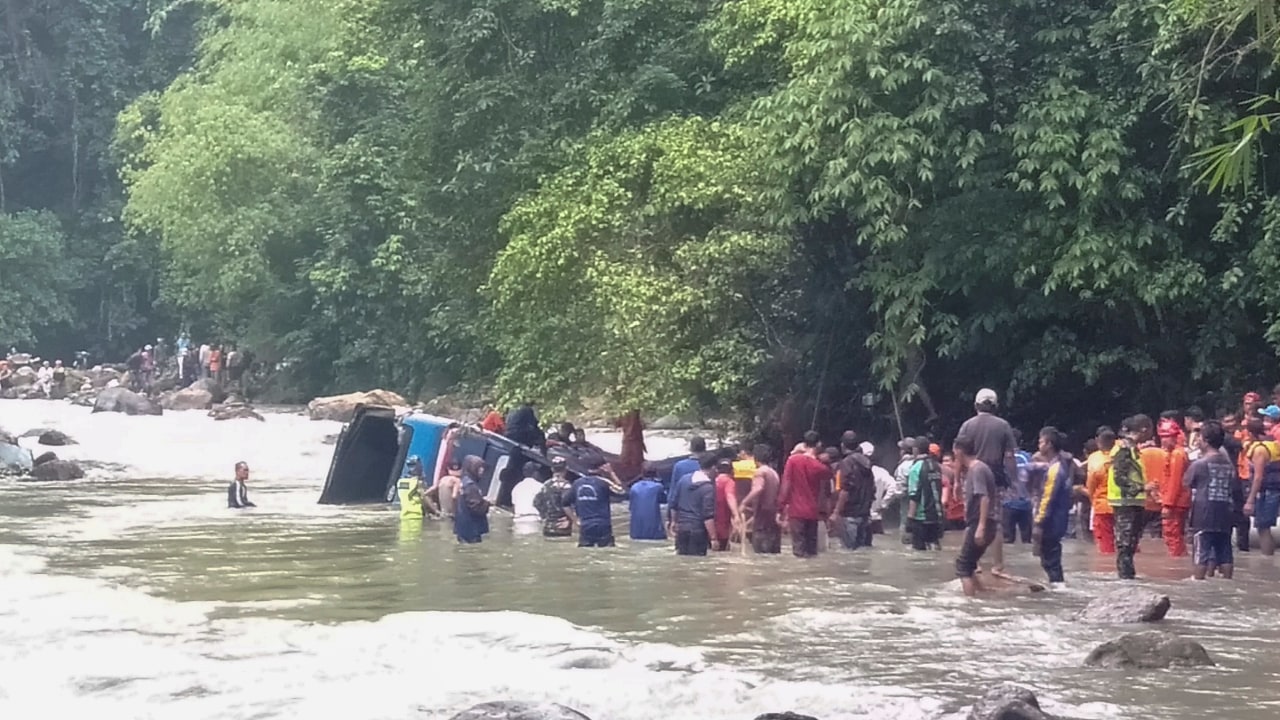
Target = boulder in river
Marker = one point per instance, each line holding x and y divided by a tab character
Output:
1129	604
785	716
44	458
1153	649
1008	701
200	395
55	438
7	439
57	471
509	710
15	460
671	422
343	407
100	377
22	377
123	400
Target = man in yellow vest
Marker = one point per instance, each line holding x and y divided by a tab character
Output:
1127	490
1262	499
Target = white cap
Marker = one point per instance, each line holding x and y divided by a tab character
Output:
986	396
867	448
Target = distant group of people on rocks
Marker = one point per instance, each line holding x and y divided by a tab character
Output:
1182	475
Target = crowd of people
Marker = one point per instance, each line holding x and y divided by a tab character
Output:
1194	481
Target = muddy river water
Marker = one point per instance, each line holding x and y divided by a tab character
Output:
137	594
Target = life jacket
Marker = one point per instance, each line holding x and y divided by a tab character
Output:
410	498
1244	467
744	469
1126	484
1270	471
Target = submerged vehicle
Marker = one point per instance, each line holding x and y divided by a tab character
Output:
373	451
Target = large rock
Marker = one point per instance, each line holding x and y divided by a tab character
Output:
100	377
1153	649
54	438
785	716
14	460
343	407
56	471
670	422
23	376
20	359
45	457
200	395
508	710
7	439
1008	702
123	400
1130	604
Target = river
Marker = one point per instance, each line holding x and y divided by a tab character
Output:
137	594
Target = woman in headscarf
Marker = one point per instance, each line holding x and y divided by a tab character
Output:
471	516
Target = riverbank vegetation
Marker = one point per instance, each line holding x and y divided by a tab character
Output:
663	203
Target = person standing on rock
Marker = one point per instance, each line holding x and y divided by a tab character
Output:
1215	493
982	513
1127	493
238	491
992	439
203	358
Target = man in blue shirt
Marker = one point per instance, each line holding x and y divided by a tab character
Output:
687	466
1017	501
646	498
590	495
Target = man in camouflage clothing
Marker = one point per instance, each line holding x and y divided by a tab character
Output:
557	521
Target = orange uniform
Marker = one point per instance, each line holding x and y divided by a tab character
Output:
1104	519
1154	463
1176	502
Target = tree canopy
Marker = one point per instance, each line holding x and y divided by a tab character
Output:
690	204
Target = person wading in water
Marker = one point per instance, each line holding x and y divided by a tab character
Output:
238	491
993	441
762	504
982	513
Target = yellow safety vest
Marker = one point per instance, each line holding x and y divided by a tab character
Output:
410	498
1125	491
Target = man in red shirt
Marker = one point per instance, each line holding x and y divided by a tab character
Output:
805	495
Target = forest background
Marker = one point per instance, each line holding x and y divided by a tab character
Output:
845	211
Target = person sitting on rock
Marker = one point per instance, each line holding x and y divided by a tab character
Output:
44	378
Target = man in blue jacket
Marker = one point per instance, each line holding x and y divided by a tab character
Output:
693	509
590	495
1054	510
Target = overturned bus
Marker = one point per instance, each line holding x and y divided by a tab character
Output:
373	451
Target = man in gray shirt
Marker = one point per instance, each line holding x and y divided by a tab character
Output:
993	443
982	514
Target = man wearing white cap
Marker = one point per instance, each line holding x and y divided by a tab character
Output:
994	444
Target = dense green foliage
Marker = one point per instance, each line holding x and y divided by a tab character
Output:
678	203
66	71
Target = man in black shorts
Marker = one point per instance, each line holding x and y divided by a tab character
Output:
982	513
